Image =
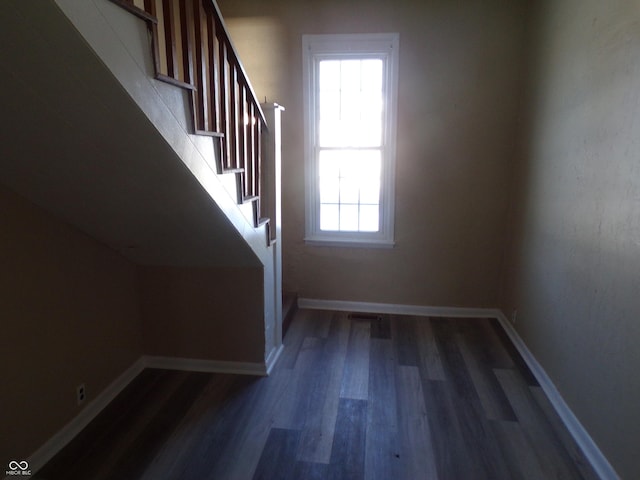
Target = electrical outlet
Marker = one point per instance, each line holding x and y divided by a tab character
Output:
80	394
514	316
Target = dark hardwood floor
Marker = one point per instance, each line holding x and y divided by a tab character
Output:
352	397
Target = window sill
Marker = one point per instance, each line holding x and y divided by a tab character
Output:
348	243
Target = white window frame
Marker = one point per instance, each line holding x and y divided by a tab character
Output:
320	47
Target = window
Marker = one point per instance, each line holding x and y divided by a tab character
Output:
350	89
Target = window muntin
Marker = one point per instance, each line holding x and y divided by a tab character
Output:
349	183
350	109
350	91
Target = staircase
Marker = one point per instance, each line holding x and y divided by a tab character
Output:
96	141
102	163
192	50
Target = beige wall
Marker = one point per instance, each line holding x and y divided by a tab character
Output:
68	315
74	311
459	84
574	271
203	313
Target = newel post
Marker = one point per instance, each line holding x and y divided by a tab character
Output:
271	192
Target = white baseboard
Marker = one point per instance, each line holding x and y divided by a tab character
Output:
589	448
56	443
396	309
273	357
211	366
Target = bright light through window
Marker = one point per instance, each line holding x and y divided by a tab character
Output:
350	93
350	100
349	190
349	143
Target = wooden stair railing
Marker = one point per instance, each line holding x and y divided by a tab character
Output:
192	50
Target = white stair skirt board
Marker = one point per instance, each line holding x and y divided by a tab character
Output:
591	451
56	443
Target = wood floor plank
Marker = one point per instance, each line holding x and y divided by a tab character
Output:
137	426
292	342
251	437
522	462
477	341
355	381
574	451
416	445
496	353
405	338
449	446
480	442
554	459
287	415
144	448
348	452
492	397
382	453
519	362
183	441
316	438
303	400
279	454
310	471
381	327
210	452
429	357
321	323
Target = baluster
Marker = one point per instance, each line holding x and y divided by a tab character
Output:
233	103
251	143
214	70
154	7
206	59
200	69
257	127
186	19
192	50
243	114
223	101
169	38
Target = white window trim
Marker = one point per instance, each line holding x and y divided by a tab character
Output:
314	46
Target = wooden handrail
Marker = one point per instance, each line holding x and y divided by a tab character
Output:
192	49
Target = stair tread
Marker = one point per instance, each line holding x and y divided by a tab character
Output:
207	111
207	133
